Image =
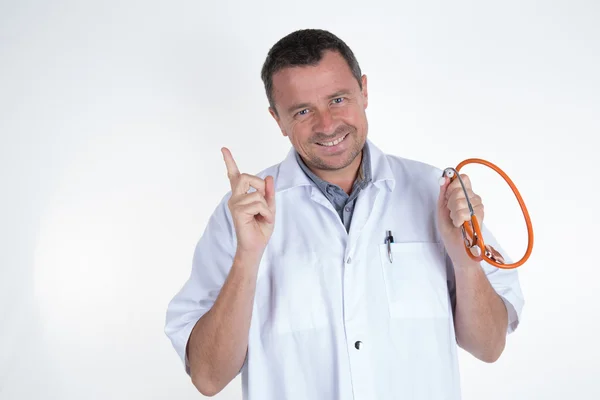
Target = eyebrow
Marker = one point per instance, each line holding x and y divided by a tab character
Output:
305	105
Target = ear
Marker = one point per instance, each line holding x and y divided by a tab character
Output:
277	119
365	92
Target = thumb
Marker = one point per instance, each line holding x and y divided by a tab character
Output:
443	213
270	192
444	182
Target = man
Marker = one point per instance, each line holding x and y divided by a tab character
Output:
292	283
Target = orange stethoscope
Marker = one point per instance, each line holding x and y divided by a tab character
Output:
471	230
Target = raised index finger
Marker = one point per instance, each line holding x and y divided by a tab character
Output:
232	170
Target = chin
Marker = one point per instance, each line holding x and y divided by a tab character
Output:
337	162
341	163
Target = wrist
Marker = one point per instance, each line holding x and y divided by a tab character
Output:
247	258
466	266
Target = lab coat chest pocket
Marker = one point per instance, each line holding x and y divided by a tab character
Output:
292	298
415	280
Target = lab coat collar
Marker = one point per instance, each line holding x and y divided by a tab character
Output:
290	174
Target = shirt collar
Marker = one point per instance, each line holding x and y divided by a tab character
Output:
291	174
362	180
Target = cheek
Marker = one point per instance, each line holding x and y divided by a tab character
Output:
291	128
356	117
299	137
300	132
348	113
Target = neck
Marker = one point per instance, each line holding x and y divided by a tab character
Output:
345	177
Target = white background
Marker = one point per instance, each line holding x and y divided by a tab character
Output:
112	115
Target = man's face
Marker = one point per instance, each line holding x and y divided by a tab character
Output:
322	111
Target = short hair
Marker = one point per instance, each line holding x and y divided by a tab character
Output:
304	47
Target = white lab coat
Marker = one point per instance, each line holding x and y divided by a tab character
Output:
332	317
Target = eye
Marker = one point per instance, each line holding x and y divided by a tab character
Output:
303	112
338	100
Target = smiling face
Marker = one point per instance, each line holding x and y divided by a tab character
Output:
322	110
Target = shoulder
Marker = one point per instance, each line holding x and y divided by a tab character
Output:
413	170
273	170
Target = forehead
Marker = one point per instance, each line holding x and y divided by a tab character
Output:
308	82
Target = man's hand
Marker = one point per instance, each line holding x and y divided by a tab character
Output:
481	317
218	342
253	213
453	211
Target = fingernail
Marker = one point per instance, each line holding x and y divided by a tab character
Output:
442	180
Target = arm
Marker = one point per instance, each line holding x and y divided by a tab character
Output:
219	341
488	300
481	317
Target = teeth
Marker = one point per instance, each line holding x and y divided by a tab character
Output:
329	144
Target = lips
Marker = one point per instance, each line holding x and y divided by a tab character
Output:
333	142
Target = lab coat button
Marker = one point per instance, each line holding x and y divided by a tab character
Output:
349	260
358	344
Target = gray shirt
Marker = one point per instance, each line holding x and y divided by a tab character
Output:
341	201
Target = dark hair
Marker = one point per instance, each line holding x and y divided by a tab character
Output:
304	47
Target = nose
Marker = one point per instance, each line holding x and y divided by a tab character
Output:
325	123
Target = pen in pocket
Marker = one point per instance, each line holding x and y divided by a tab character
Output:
389	240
